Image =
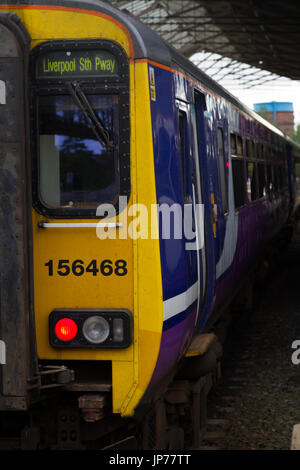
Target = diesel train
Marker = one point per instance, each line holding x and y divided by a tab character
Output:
138	198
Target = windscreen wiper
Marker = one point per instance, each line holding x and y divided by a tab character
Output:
93	120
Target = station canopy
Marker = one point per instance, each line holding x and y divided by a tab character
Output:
256	40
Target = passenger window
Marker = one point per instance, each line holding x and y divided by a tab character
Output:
281	176
269	179
238	182
283	181
259	151
237	163
297	174
250	149
222	170
239	145
276	178
233	146
251	172
261	170
262	184
251	181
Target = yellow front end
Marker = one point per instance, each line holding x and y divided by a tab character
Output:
140	290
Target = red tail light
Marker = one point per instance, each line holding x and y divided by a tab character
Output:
90	328
66	329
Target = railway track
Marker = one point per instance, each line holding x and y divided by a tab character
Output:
255	404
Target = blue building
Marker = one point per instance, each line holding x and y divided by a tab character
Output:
280	112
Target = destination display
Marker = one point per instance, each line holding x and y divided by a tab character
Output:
76	63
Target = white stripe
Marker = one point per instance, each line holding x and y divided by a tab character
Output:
180	302
231	234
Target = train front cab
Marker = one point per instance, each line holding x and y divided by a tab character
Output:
76	113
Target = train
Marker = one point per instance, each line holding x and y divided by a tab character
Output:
138	200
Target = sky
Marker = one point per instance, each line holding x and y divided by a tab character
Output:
279	89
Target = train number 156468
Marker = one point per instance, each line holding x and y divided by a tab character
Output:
106	267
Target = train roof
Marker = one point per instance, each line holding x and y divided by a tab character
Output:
149	45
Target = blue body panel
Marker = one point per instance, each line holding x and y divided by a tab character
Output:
239	237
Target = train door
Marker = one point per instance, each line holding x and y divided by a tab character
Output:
199	210
17	350
206	227
192	203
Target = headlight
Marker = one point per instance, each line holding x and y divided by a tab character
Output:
109	329
95	329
